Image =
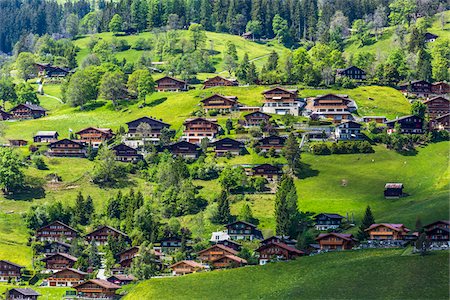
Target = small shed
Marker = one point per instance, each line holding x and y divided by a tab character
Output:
393	190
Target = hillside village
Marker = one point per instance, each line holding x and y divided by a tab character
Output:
142	156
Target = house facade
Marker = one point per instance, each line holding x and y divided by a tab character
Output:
4	115
186	267
281	101
66	277
22	294
170	245
101	234
220	103
27	111
170	84
256	118
199	128
335	241
376	119
437	106
241	230
149	132
273	141
125	153
227	145
419	88
336	108
121	279
348	131
438	231
59	261
97	288
10	271
440	88
126	257
327	221
45	137
95	136
219	81
67	148
267	171
387	231
408	124
184	149
441	123
351	72
228	261
393	190
56	231
276	252
216	251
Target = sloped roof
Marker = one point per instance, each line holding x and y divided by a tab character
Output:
331	215
233	257
169	77
435	98
68	256
108	227
11	263
103	283
393	186
396	227
438	221
59	223
401	118
281	245
290	91
26	291
46	133
344	236
32	106
225	248
142	119
246	223
72	270
191	263
123	277
104	130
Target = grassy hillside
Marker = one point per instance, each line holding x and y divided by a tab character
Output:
387	42
379	274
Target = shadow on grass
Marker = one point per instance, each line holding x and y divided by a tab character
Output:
411	152
93	105
305	171
155	102
29	193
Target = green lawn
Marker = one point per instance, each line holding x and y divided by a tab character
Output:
368	274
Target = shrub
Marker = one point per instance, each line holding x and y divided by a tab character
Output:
213	112
321	149
39	163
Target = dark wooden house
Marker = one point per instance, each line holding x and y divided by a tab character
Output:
336	108
4	115
17	143
125	153
429	37
276	252
228	261
348	131
56	231
101	234
438	231
219	81
22	294
170	244
49	70
326	221
420	88
270	172
67	148
393	190
10	271
170	84
279	239
440	88
335	241
352	72
45	137
184	149
126	257
281	101
67	277
121	279
28	111
256	118
195	130
220	103
59	261
155	128
214	252
273	141
186	267
54	247
408	124
95	136
441	123
227	145
230	244
241	230
97	288
437	106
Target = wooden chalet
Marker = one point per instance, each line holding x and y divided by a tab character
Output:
277	239
337	108
67	148
27	111
273	141
440	88
281	101
219	81
376	119
352	72
348	131
216	251
95	136
220	103
101	234
45	137
230	244
54	247
438	231
121	279
170	244
276	252
335	241
59	261
151	135
429	37
22	294
10	271
326	221
126	257
56	231
184	149
5	115
125	153
97	288
441	123
420	88
437	106
241	230
227	145
170	84
228	261
66	277
256	118
17	143
49	70
199	128
408	124
186	267
267	171
386	231
393	190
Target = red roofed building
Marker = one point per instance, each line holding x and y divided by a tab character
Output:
95	136
277	251
199	128
121	279
228	261
387	231
219	81
97	288
220	103
56	231
170	84
67	277
186	267
59	261
335	241
214	252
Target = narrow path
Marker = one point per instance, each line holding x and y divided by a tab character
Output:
53	97
303	140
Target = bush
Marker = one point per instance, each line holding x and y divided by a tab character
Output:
143	44
320	149
213	112
39	163
342	148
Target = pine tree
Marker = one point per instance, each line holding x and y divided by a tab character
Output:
93	255
422	244
286	210
367	221
419	225
292	152
243	69
223	215
89	210
78	210
252	74
246	214
272	62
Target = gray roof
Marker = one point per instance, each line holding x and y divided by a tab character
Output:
46	133
26	291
